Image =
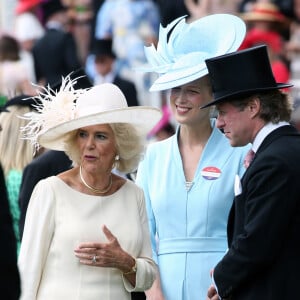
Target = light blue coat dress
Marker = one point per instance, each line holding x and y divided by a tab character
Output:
188	227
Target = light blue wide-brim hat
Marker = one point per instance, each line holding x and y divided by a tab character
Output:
183	47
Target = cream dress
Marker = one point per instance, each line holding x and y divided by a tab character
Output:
58	219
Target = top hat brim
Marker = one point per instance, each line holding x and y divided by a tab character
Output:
244	93
21	100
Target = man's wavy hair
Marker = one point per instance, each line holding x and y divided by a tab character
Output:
276	106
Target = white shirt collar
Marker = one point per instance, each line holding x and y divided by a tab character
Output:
266	130
103	79
54	25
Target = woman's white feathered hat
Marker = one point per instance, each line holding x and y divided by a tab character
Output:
70	109
182	48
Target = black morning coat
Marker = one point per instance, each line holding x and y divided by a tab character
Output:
55	56
49	163
128	89
263	260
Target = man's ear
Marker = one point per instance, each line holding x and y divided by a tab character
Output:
254	106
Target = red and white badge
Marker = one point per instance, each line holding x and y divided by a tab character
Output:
211	173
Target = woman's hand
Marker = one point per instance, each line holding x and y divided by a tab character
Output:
106	255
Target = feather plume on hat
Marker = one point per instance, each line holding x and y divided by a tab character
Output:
69	109
52	108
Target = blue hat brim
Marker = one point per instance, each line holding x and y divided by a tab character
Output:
205	38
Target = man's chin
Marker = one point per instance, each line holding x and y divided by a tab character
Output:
233	143
236	144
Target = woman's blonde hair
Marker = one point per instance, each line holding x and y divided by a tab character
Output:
15	152
129	145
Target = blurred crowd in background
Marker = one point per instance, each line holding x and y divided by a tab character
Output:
42	41
131	24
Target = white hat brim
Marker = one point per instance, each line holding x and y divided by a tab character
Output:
142	118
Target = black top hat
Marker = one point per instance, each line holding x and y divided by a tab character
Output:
51	7
103	47
240	74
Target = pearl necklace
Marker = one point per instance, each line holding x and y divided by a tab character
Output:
97	191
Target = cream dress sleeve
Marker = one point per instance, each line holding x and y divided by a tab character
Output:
40	225
146	267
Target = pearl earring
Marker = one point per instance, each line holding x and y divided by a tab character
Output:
117	157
